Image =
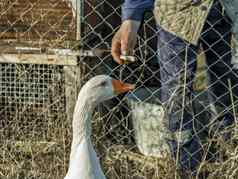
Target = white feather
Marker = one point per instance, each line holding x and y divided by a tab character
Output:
84	163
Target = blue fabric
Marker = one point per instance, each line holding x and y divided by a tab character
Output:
215	40
135	9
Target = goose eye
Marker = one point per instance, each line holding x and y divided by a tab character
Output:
101	84
104	83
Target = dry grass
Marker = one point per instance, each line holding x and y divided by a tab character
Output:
30	159
38	148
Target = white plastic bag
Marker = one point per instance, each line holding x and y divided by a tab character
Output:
148	118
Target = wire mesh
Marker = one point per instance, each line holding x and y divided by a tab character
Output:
35	124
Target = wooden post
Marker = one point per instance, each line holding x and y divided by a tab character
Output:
79	10
73	83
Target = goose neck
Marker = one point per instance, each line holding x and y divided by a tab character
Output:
82	119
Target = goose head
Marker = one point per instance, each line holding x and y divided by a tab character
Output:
102	87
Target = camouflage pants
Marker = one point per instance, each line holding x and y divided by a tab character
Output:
177	60
231	7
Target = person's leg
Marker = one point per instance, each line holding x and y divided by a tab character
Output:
234	60
216	41
177	61
231	8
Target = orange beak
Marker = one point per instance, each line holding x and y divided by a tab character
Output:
120	87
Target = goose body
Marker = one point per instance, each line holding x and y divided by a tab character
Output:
84	163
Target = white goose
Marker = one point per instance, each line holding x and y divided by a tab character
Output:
84	163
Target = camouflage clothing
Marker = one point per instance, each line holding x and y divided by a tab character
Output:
177	59
183	18
231	7
184	25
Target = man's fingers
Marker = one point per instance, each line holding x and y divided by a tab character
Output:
128	44
124	40
116	50
124	47
116	54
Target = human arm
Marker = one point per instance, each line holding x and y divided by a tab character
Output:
124	40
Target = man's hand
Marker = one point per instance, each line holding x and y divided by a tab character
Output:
124	41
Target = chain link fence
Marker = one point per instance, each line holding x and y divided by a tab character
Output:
50	48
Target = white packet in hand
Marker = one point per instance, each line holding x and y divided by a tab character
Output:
128	58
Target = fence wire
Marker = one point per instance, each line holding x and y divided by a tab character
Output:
49	49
